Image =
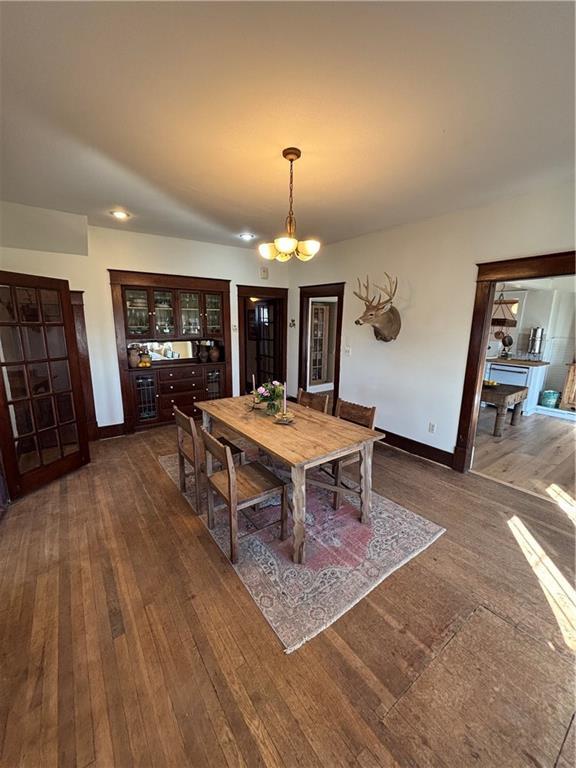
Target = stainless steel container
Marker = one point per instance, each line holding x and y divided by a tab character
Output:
535	341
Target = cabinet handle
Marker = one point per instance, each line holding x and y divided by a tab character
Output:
171	386
157	395
171	374
171	401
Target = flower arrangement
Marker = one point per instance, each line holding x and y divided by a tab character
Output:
271	393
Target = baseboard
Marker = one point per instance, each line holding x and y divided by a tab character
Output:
412	446
418	449
555	413
111	430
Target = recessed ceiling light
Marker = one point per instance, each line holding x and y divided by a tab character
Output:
119	214
246	236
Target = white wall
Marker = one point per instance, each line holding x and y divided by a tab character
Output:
116	249
560	347
419	378
24	226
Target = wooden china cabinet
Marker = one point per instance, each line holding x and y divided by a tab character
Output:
183	323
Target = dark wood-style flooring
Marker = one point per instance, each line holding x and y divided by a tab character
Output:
128	640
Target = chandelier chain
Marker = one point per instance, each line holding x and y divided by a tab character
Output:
291	221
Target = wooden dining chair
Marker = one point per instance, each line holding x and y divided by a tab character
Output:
315	400
191	451
364	416
240	487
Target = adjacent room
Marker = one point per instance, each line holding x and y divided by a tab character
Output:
287	384
530	376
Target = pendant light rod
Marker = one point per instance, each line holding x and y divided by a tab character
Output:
286	246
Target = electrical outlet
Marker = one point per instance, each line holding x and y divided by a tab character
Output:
431	427
348	351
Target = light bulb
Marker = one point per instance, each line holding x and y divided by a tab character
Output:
119	214
268	251
307	249
286	244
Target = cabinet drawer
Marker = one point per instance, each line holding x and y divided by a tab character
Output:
508	374
180	399
181	372
167	414
182	385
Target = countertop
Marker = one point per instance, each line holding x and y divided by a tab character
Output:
516	361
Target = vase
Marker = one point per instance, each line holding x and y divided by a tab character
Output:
203	355
133	358
273	407
214	354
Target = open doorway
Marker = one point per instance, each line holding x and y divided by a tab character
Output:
320	335
262	334
518	418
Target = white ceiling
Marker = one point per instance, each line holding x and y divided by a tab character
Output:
179	111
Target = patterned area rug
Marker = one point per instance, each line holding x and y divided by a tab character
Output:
345	559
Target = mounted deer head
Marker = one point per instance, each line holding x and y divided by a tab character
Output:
380	312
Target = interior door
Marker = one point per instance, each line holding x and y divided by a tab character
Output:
43	431
266	353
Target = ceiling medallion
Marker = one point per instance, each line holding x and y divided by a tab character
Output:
287	245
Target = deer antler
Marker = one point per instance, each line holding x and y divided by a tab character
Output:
390	291
365	297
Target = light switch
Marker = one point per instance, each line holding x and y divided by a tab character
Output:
348	350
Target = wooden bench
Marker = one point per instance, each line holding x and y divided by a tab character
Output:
504	396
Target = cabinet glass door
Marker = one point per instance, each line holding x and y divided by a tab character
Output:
164	317
213	312
146	397
190	314
138	313
214	383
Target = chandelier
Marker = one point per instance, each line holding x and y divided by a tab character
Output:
288	245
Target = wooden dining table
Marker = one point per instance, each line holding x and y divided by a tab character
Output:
312	439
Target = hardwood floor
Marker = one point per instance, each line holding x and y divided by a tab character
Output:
128	640
538	452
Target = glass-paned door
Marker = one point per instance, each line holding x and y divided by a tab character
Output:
44	434
164	315
319	343
138	313
213	314
265	345
190	313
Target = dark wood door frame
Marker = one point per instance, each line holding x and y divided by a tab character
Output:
308	292
77	299
549	265
267	292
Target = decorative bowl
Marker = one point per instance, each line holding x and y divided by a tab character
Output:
284	418
489	383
